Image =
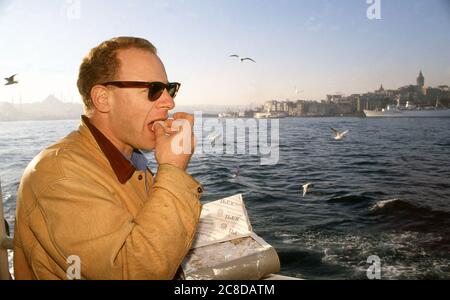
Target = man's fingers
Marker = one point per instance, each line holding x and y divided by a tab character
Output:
169	123
185	116
158	129
183	122
182	126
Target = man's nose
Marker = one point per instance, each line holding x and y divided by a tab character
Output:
165	101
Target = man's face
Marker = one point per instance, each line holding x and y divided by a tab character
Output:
132	115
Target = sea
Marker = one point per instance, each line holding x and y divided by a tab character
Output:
378	206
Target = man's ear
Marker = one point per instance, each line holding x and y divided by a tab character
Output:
100	98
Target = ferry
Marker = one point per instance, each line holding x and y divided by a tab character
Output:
409	111
270	115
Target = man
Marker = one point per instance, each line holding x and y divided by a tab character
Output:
91	197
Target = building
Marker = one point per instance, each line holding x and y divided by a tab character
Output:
420	80
339	105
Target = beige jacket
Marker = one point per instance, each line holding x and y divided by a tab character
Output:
81	197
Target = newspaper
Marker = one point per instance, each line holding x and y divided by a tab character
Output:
225	246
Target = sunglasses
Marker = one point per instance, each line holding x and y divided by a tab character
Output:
155	89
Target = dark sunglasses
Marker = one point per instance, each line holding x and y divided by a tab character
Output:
155	89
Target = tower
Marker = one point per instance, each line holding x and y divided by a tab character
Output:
420	80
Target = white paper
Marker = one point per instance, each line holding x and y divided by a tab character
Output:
222	220
225	246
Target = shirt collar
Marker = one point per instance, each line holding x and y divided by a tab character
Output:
122	167
139	160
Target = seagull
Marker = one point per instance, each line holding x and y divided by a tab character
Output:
234	55
305	188
247	58
338	134
213	137
236	174
10	80
297	91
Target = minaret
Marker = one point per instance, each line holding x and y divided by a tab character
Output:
420	80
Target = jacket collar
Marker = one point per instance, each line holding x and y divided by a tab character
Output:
121	166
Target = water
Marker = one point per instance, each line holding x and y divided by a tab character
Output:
384	191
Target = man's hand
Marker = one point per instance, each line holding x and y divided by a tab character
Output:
175	144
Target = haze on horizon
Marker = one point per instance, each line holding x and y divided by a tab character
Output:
316	47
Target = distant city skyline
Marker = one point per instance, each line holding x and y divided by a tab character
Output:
339	104
303	49
420	81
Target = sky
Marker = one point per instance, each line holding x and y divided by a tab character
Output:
304	49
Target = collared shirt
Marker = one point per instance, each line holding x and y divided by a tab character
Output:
123	167
140	162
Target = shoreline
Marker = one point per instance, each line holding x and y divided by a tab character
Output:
204	116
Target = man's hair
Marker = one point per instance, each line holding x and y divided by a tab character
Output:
101	64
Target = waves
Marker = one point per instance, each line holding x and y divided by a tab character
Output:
343	255
351	199
407	209
397	205
379	192
395	211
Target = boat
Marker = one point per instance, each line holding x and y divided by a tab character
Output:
226	115
409	111
270	115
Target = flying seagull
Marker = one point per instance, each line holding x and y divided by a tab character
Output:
338	135
305	188
10	80
236	173
247	58
213	137
234	55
